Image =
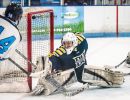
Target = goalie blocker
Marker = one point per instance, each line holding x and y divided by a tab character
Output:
102	77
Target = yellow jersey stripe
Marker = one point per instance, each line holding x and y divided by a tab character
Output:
53	53
58	52
62	50
79	38
82	36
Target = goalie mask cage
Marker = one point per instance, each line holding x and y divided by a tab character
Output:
37	30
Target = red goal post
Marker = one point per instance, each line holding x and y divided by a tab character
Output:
47	14
37	30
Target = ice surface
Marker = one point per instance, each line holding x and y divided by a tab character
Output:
101	51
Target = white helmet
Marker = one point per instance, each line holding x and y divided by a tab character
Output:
70	37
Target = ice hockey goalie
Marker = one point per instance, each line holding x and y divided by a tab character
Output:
102	77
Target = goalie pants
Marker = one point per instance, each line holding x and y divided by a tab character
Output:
79	74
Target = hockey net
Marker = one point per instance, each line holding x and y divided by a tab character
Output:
37	33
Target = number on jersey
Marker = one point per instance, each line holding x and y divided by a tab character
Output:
6	42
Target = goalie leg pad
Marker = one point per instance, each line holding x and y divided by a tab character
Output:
104	77
48	88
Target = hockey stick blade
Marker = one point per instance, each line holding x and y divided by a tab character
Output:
36	74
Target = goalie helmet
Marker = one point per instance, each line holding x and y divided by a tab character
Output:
69	41
14	12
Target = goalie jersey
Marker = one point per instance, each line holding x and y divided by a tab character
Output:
77	59
9	37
